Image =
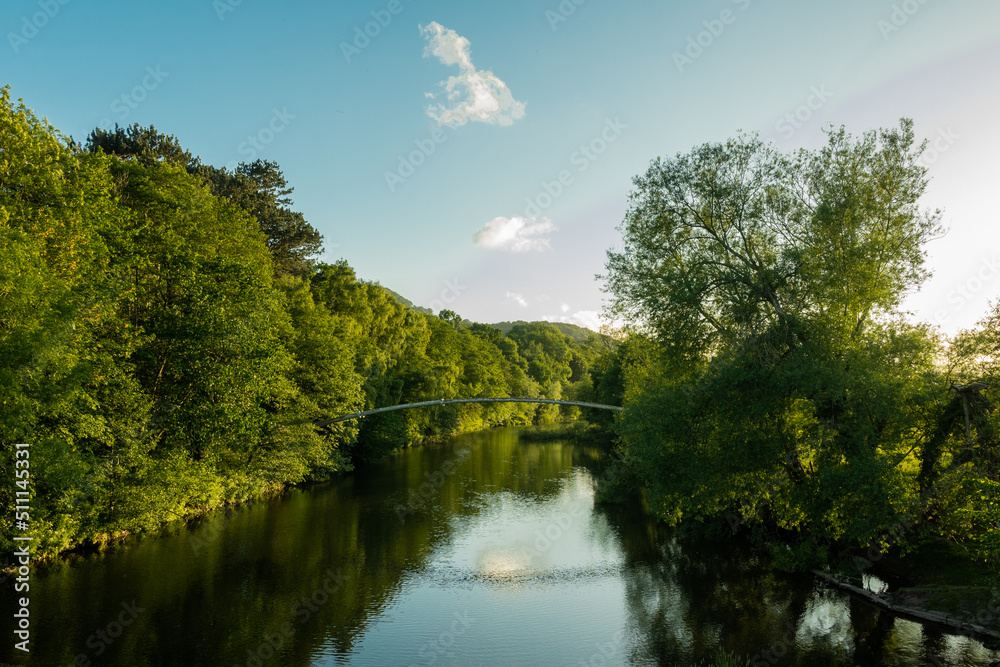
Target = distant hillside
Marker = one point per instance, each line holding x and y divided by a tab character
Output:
409	304
577	333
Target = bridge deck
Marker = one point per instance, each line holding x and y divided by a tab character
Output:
552	401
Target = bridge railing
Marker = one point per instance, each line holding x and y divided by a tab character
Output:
449	401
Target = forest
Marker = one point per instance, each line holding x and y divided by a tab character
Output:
168	337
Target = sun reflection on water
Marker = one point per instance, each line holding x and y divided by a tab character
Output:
498	562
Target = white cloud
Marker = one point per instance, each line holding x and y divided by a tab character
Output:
564	307
473	95
517	298
591	319
515	234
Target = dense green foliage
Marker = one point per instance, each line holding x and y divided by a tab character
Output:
168	339
258	187
770	377
572	331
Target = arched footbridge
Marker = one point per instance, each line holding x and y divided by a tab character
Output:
449	401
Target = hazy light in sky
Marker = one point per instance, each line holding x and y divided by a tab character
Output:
515	234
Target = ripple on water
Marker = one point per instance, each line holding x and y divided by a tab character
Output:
450	577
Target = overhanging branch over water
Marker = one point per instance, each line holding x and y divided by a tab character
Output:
551	401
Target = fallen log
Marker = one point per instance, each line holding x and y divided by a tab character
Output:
922	615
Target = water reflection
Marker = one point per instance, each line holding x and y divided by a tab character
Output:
484	550
691	598
826	623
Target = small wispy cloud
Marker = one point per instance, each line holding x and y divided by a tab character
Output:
473	95
515	234
590	319
517	298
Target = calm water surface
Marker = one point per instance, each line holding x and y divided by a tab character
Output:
480	551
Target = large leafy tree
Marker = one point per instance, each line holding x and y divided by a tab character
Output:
260	188
964	448
144	144
789	386
728	241
216	359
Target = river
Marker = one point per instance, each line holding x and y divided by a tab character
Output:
483	550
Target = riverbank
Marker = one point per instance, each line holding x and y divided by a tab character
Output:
580	432
940	583
917	603
936	583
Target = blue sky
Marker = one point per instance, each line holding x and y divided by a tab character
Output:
587	92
